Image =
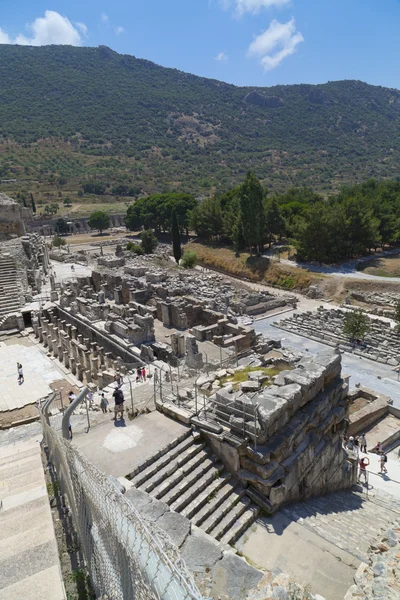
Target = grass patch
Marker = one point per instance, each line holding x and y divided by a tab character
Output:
254	268
243	375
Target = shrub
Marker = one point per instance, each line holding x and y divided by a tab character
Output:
189	259
58	242
149	241
136	248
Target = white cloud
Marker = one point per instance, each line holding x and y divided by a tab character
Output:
53	28
82	28
276	43
118	30
104	17
221	56
252	6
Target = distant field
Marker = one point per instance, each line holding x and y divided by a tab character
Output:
259	269
388	266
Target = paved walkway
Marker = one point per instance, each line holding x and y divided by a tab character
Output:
118	447
39	371
29	563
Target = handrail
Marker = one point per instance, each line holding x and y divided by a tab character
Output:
70	409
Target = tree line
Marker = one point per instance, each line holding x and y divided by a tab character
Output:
350	223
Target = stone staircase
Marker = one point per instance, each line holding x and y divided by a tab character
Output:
347	519
9	286
29	562
193	482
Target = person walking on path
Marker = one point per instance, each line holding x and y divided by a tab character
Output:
138	374
20	374
118	380
144	374
104	403
363	443
382	462
364	462
356	446
119	403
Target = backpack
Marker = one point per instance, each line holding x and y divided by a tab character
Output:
384	458
119	396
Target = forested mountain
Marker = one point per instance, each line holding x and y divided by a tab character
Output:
64	109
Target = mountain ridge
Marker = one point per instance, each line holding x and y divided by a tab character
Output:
186	130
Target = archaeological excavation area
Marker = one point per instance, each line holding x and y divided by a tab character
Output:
230	453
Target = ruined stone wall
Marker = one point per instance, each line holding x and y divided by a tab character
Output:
297	423
11	221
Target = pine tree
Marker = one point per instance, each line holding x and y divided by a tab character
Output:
176	237
33	203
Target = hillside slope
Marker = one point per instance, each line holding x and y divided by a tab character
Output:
179	130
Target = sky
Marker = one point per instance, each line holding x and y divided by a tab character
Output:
244	42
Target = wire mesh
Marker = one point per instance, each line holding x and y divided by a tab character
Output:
128	557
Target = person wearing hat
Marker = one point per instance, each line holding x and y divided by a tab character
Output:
350	443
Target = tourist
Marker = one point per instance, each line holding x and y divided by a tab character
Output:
104	403
20	374
138	374
143	373
119	403
364	462
90	397
382	462
118	380
350	443
363	443
72	268
356	446
345	441
378	448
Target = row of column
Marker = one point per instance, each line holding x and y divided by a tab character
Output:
85	359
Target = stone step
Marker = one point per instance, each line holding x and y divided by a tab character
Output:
212	504
225	524
218	513
167	484
161	462
241	525
210	467
155	457
169	469
210	492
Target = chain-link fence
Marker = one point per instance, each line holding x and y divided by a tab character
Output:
128	557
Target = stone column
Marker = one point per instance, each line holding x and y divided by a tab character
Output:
68	328
40	334
93	348
79	369
109	360
95	366
44	338
66	358
74	332
54	343
60	352
50	342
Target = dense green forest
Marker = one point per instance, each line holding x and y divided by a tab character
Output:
348	224
73	116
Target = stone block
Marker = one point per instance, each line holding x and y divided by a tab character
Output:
233	577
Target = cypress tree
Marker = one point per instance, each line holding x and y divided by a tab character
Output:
33	203
176	237
25	204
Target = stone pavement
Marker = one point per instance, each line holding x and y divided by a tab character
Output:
29	563
39	372
118	447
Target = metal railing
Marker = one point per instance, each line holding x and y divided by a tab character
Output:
127	556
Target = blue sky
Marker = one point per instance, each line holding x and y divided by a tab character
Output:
245	42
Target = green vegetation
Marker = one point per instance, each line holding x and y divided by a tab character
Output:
344	225
243	375
355	324
189	259
155	212
57	242
153	129
61	227
149	241
136	248
176	237
99	220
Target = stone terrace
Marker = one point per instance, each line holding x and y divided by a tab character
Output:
381	343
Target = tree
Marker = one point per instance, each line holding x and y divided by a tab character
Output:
206	218
355	324
149	241
58	242
33	204
24	201
67	201
99	220
274	221
176	237
252	211
61	227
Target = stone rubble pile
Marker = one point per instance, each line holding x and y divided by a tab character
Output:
381	343
382	304
380	579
